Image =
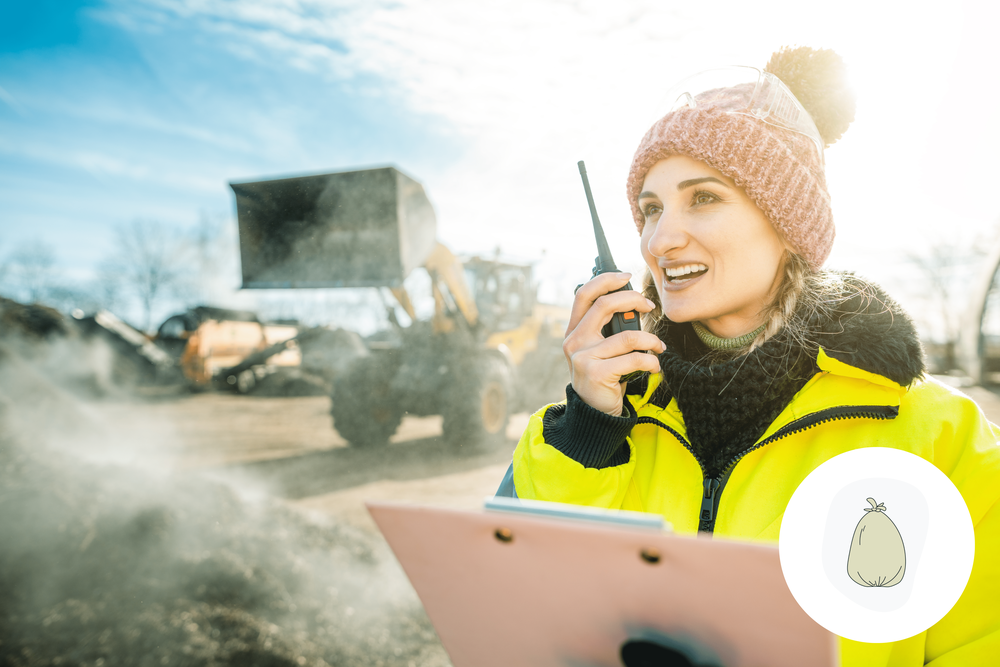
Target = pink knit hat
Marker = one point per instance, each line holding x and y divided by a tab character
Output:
780	170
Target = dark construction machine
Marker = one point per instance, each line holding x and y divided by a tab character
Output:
488	350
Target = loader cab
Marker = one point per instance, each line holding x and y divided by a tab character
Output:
504	293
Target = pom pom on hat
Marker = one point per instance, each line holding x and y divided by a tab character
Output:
818	79
780	170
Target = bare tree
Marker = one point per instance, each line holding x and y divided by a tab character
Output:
944	271
30	270
149	263
215	252
108	287
31	273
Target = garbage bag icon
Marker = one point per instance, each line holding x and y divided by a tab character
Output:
877	558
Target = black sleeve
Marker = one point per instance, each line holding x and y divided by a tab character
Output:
588	436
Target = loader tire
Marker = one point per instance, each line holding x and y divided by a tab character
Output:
479	408
364	411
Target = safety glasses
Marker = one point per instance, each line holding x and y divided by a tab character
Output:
746	91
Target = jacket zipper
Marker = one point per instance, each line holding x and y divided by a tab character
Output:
713	486
709	502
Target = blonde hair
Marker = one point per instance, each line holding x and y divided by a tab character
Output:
780	313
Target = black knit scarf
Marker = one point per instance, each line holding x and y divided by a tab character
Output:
728	404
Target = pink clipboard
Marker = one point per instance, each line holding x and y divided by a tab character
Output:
510	589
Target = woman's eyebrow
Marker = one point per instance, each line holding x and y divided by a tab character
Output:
696	181
684	184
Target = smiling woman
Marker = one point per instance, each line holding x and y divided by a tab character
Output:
764	365
713	257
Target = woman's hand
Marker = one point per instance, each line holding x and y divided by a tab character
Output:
596	363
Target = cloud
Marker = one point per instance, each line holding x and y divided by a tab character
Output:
466	62
530	87
525	88
105	165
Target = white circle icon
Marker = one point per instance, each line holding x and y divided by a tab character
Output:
876	545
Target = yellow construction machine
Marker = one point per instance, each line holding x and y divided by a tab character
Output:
488	350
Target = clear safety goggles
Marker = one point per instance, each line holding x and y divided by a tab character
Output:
747	91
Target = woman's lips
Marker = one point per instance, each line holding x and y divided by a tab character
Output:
680	284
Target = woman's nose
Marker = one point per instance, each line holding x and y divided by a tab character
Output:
666	236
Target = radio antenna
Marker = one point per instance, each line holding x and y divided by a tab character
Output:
604	263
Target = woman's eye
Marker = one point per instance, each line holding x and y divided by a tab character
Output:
649	210
703	198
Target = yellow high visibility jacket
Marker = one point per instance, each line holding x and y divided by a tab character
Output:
841	408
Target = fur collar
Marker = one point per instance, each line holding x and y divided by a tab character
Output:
857	323
728	403
866	328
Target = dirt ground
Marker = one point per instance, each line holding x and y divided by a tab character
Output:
281	566
286	447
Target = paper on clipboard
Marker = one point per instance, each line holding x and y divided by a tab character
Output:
507	588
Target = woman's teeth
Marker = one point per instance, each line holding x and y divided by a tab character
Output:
686	272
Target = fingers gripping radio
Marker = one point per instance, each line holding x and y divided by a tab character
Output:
604	263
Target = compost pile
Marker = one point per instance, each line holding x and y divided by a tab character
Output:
75	354
104	564
47	339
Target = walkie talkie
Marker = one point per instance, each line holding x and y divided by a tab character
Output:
604	263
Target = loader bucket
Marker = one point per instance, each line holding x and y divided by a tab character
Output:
365	228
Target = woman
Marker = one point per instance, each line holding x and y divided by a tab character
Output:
763	366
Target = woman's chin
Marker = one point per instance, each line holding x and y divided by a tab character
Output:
679	311
684	305
680	316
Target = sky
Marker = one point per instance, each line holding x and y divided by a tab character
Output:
116	110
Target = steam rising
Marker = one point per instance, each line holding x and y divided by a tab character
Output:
106	564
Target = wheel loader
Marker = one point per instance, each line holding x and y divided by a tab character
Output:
488	350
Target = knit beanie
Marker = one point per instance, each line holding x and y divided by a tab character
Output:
779	169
